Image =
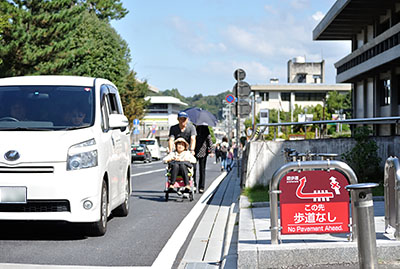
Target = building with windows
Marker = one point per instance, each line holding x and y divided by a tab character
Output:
160	115
373	65
305	88
300	71
284	97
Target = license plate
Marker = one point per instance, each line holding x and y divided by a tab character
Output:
13	195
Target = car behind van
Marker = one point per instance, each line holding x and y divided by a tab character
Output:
153	146
140	152
65	154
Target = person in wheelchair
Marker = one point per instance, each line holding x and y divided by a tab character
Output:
179	162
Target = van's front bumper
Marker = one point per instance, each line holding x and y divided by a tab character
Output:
52	192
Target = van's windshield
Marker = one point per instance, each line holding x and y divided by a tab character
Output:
46	107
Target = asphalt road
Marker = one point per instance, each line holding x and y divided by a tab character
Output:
135	240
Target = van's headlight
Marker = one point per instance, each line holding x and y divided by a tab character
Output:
82	155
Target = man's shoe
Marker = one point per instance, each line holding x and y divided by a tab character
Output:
201	190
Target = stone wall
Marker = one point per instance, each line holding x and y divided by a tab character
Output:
262	158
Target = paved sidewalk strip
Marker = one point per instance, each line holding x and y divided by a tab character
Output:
206	249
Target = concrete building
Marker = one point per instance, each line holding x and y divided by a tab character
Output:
300	71
305	88
284	97
160	115
373	66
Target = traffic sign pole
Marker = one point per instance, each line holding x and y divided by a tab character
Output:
239	75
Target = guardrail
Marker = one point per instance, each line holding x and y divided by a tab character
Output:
378	120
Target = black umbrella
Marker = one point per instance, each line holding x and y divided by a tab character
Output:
200	116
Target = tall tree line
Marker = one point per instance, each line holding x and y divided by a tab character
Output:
69	37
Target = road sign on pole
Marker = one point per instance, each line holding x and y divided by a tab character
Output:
244	109
230	98
243	88
239	74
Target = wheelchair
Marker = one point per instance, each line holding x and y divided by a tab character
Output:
179	185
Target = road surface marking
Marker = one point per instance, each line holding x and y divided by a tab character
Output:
148	172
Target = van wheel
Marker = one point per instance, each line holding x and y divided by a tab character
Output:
99	228
123	209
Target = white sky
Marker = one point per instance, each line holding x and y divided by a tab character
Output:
195	45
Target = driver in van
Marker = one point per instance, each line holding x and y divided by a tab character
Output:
74	117
17	111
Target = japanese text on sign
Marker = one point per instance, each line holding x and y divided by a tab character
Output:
312	202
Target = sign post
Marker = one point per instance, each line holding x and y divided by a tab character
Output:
136	129
239	75
264	119
314	202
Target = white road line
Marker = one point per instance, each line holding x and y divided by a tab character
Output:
148	172
167	256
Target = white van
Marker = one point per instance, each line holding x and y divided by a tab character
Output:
65	151
153	146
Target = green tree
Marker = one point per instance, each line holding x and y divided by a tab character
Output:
3	17
212	103
60	37
106	9
38	38
337	101
132	97
99	51
67	37
363	158
3	20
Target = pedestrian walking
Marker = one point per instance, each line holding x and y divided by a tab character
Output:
217	153
224	152
229	160
204	147
184	129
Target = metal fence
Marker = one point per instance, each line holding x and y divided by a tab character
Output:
377	120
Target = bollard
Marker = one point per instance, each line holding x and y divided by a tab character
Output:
361	195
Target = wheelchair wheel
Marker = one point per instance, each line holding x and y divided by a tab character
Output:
166	196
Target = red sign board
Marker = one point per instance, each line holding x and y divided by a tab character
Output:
314	202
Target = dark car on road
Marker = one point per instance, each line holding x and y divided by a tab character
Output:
140	153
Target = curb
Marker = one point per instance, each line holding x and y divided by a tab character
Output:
211	241
331	250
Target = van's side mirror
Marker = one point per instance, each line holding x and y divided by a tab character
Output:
118	121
